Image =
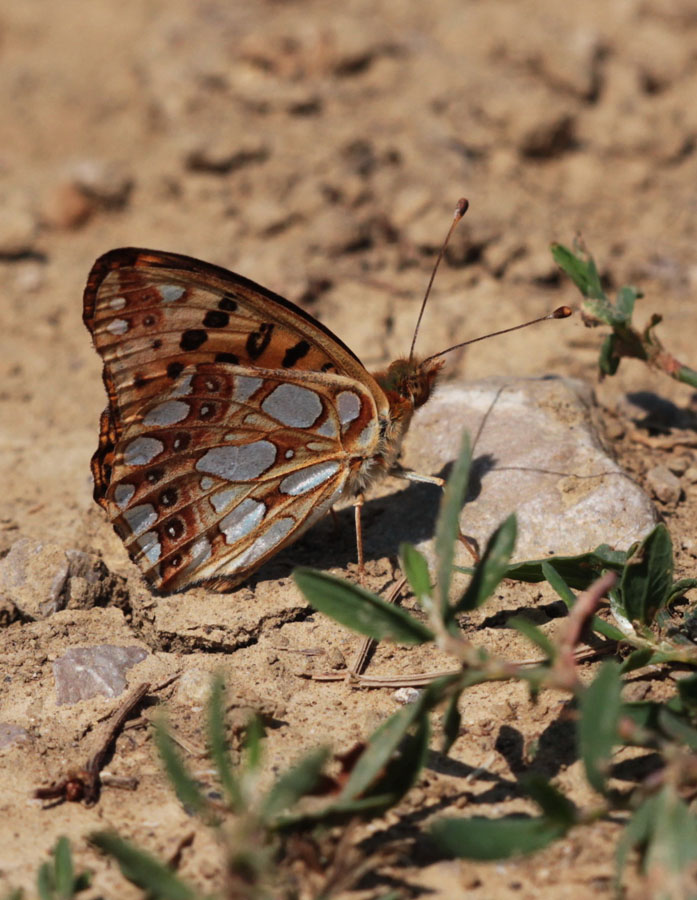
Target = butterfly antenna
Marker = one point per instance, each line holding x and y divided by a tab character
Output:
460	210
562	312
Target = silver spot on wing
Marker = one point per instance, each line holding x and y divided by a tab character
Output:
243	463
293	405
142	450
310	477
243	518
167	413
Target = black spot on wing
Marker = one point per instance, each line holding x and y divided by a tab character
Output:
174	369
228	304
214	318
294	354
228	358
259	340
193	338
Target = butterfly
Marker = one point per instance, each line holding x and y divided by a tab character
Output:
235	420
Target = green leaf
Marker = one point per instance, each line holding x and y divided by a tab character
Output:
626	298
579	572
402	770
636	833
672	843
64	871
609	359
534	634
293	785
582	272
637	659
600	707
185	787
491	568
488	839
647	579
360	610
218	745
415	568
452	721
567	595
551	801
253	743
448	524
385	739
45	882
142	869
677	729
687	691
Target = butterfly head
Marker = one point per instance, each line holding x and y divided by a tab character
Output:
409	382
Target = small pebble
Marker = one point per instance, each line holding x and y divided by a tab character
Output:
406	695
663	484
678	465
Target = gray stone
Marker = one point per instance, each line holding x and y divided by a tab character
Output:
12	734
537	452
84	672
664	485
40	578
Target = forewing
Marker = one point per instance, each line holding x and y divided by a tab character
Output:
229	465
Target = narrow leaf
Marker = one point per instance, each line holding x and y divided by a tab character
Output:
582	272
253	747
385	739
218	745
184	785
294	784
626	298
488	839
600	708
551	801
677	729
63	866
448	524
360	610
402	770
648	578
142	869
672	846
567	595
579	572
452	721
416	570
491	568
45	882
636	833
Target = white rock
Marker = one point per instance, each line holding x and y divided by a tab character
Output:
537	452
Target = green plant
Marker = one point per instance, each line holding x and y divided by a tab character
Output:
253	828
624	339
56	880
646	630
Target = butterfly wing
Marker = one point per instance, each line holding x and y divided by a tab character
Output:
234	418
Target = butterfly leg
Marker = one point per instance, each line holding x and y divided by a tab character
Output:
357	507
399	471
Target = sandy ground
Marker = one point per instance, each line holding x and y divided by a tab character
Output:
319	149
